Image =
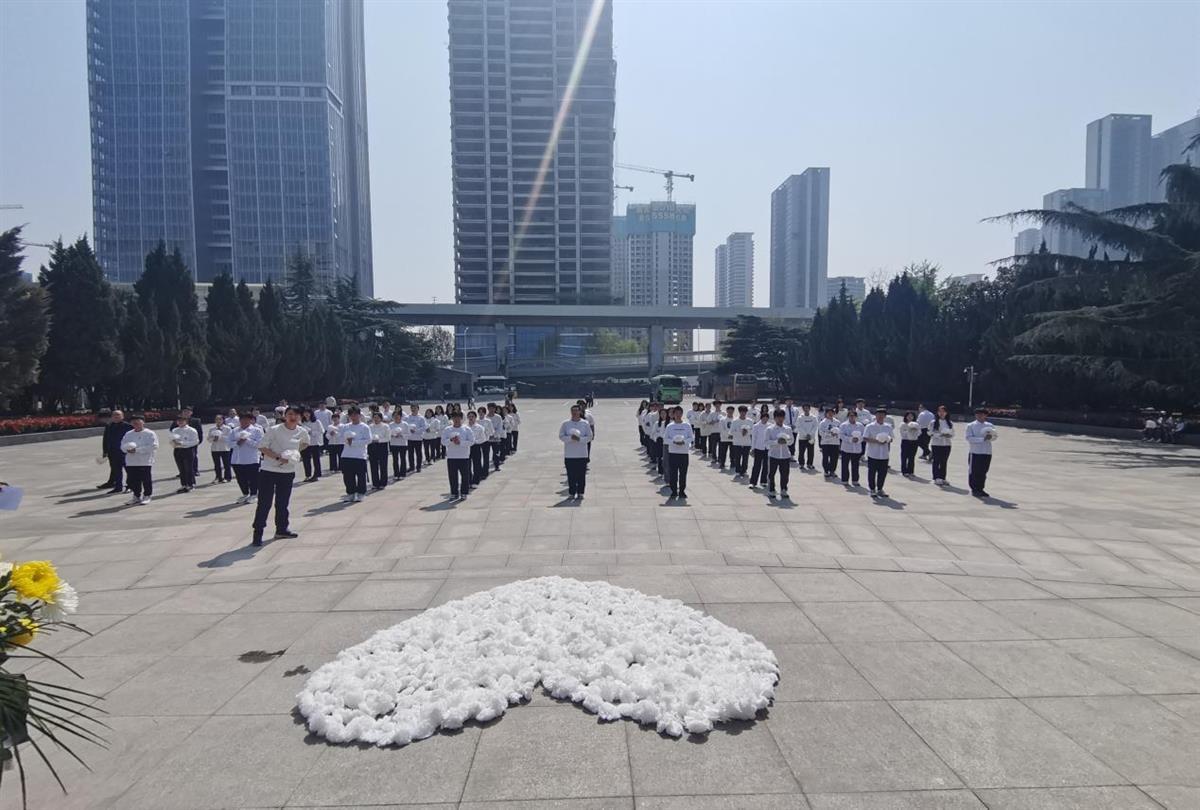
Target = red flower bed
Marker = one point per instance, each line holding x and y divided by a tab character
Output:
42	424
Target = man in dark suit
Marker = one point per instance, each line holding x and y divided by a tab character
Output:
114	431
196	425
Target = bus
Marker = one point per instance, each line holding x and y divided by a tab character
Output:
729	387
491	385
666	388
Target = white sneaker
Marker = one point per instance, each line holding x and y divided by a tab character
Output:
253	499
244	499
783	493
348	498
358	497
145	499
134	501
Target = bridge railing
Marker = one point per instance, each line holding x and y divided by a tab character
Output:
611	361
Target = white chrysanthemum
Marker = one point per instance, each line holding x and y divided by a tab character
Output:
66	602
5	568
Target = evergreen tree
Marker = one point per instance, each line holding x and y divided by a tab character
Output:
167	296
82	350
301	288
227	333
23	322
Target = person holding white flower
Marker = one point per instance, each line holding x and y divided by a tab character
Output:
139	446
780	439
910	441
850	434
979	435
416	436
457	439
740	430
244	456
377	450
281	448
877	437
575	433
828	430
398	441
355	437
941	435
478	442
678	437
184	440
333	441
805	427
218	443
758	447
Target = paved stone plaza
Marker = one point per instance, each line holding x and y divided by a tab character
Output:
1037	650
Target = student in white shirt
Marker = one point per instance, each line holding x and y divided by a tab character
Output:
643	406
910	441
779	450
478	442
218	445
398	443
355	439
243	446
805	428
739	431
713	417
377	451
704	428
692	417
514	432
184	440
677	438
827	436
877	437
924	420
281	448
416	436
979	435
496	441
850	433
333	441
758	447
139	446
457	440
440	423
840	411
725	427
575	434
660	443
941	435
316	442
259	419
649	422
591	420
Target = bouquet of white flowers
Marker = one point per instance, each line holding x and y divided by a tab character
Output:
290	455
129	447
883	438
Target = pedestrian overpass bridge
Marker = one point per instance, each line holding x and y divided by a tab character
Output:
656	320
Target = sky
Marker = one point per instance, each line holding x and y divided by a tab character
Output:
931	116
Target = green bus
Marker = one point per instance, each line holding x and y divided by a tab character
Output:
666	388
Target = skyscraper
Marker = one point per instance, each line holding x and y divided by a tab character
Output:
235	131
532	153
1061	240
735	271
620	268
1168	147
1027	240
800	240
1118	158
856	287
658	249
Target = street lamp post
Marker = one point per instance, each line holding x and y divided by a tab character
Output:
971	375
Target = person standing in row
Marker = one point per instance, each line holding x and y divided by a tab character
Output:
779	451
218	442
478	442
713	417
850	432
316	443
678	437
355	438
244	456
828	435
457	440
114	434
139	446
416	436
259	419
692	417
195	424
281	447
979	435
377	451
398	443
740	449
660	441
429	439
877	437
758	447
585	409
941	435
910	442
497	439
485	449
333	441
575	434
185	440
924	421
806	436
514	432
725	436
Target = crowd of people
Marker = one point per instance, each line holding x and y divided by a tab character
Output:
266	456
1162	427
762	444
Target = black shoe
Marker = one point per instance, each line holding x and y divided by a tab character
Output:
257	541
286	534
104	486
115	491
983	494
181	490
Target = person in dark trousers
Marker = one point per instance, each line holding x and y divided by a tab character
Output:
779	450
924	421
281	449
941	436
575	434
850	433
377	451
140	446
184	441
457	439
677	438
398	446
726	436
243	455
116	428
805	428
355	439
195	424
478	443
979	435
758	446
218	444
910	442
827	437
877	438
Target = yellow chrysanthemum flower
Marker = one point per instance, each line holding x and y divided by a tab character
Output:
35	580
25	636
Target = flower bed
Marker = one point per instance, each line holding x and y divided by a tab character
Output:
43	424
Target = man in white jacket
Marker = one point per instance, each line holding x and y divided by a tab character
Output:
575	433
779	450
355	438
458	439
184	440
281	448
244	456
877	437
979	435
139	446
806	436
677	440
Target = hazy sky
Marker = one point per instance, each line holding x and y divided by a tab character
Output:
931	116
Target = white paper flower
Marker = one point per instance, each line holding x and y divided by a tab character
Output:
290	455
883	438
678	440
66	602
575	434
129	446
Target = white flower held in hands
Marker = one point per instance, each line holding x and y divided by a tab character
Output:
575	434
129	447
678	440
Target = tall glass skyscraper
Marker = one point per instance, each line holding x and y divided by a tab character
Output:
235	130
800	240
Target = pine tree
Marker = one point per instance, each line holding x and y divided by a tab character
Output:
226	331
23	323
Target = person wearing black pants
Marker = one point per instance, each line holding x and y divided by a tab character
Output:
457	441
575	434
243	444
910	442
398	445
827	437
416	432
925	437
355	438
185	440
139	446
478	443
726	436
850	432
979	435
678	437
377	451
877	437
281	449
941	435
195	424
779	441
116	428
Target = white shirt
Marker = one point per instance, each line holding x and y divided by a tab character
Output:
924	419
144	443
355	438
465	436
262	422
850	442
282	439
334	433
398	431
740	428
479	431
726	425
316	433
758	435
806	427
184	437
416	426
865	416
827	431
497	426
575	435
218	438
380	433
516	421
247	451
777	448
878	439
942	434
678	437
977	435
324	416
910	431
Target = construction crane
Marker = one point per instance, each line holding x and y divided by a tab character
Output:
667	173
626	188
11	207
